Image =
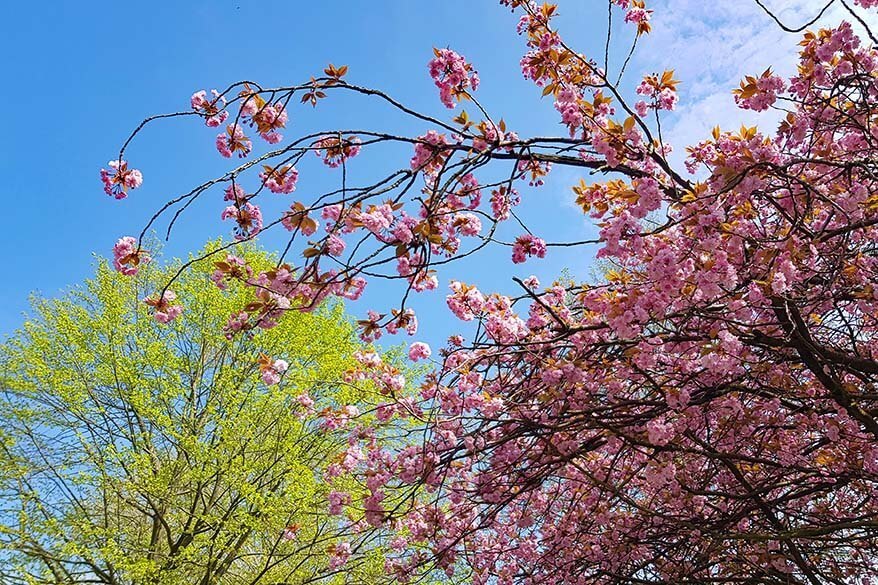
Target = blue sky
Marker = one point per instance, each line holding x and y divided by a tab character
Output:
81	75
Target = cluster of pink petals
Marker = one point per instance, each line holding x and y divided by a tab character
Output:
335	150
465	301
268	120
212	110
236	194
233	140
567	102
337	501
637	15
502	201
164	308
127	256
429	155
339	555
335	245
452	75
248	218
119	179
271	373
760	93
468	224
281	179
662	97
526	246
419	351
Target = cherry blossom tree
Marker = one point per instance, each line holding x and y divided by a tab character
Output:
708	412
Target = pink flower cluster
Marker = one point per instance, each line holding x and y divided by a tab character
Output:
268	118
165	309
419	351
429	155
759	93
271	372
662	91
212	110
334	150
127	256
248	218
233	140
468	224
465	301
339	555
236	194
567	102
452	75
119	179
503	199
337	501
636	13
280	179
526	246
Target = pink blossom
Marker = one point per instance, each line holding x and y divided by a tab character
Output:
271	372
268	119
531	282
659	432
337	502
127	256
281	179
639	16
339	555
236	193
248	218
334	150
468	224
418	351
429	155
377	218
331	212
526	246
760	93
237	322
164	308
305	401
502	202
353	288
335	245
465	301
233	140
212	110
120	179
452	75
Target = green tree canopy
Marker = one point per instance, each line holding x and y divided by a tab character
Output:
135	452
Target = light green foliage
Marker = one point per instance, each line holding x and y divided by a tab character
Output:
134	452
